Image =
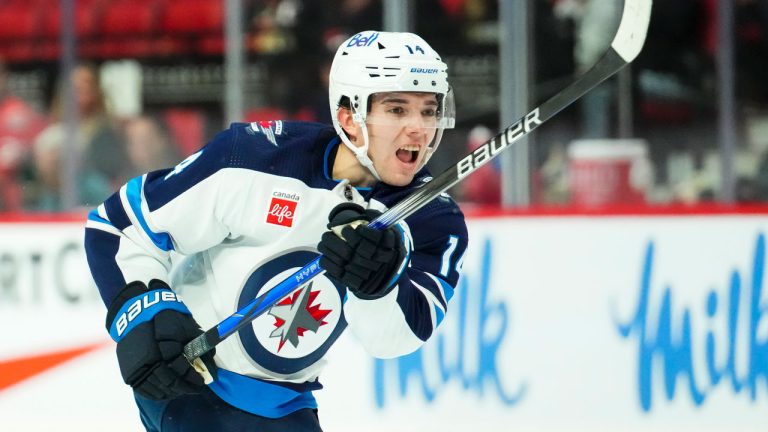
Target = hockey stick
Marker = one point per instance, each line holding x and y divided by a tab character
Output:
626	45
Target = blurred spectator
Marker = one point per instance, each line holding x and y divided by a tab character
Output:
148	145
103	164
551	180
453	8
19	124
272	25
596	23
186	128
45	193
752	50
101	146
316	101
441	23
761	181
483	187
480	23
353	16
100	143
264	114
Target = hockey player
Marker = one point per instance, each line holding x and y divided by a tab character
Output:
183	248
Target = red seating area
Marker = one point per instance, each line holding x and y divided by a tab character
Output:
30	29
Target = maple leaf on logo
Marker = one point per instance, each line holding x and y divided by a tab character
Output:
296	314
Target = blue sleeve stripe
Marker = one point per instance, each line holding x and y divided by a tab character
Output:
404	262
447	288
116	213
94	216
435	285
439	315
143	308
434	301
133	192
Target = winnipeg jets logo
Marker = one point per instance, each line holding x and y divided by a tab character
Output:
302	326
297	314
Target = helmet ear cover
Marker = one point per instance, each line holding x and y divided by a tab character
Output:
345	103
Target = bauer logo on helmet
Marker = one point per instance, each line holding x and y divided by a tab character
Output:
423	70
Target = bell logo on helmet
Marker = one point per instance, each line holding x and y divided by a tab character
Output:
362	40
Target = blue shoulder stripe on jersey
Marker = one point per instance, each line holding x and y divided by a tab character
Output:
261	397
143	308
94	216
116	213
133	192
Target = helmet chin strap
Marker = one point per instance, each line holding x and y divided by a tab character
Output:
361	153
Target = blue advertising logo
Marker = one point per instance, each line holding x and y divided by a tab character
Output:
454	367
673	341
362	40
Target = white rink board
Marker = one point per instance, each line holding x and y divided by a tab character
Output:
533	339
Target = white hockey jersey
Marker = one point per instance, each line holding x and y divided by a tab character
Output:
234	219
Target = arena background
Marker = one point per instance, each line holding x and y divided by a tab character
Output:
614	277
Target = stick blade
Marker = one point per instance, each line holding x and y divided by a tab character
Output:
630	36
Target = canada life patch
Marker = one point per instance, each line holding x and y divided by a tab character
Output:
282	208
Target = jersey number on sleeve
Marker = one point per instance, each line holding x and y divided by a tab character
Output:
445	267
183	164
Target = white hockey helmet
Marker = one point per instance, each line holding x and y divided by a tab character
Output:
373	62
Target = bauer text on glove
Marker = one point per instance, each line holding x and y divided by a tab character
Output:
151	326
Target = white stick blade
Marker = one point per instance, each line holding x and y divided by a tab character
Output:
630	37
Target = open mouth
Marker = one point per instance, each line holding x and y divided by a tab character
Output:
408	154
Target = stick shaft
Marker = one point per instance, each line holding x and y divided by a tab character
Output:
625	47
429	191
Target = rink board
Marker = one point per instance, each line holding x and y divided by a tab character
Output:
560	323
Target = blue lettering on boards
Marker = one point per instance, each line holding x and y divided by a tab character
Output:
453	368
676	353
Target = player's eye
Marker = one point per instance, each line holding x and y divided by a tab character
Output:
396	110
430	112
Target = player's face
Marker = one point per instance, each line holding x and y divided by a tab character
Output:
400	127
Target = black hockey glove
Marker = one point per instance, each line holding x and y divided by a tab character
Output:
368	261
151	326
